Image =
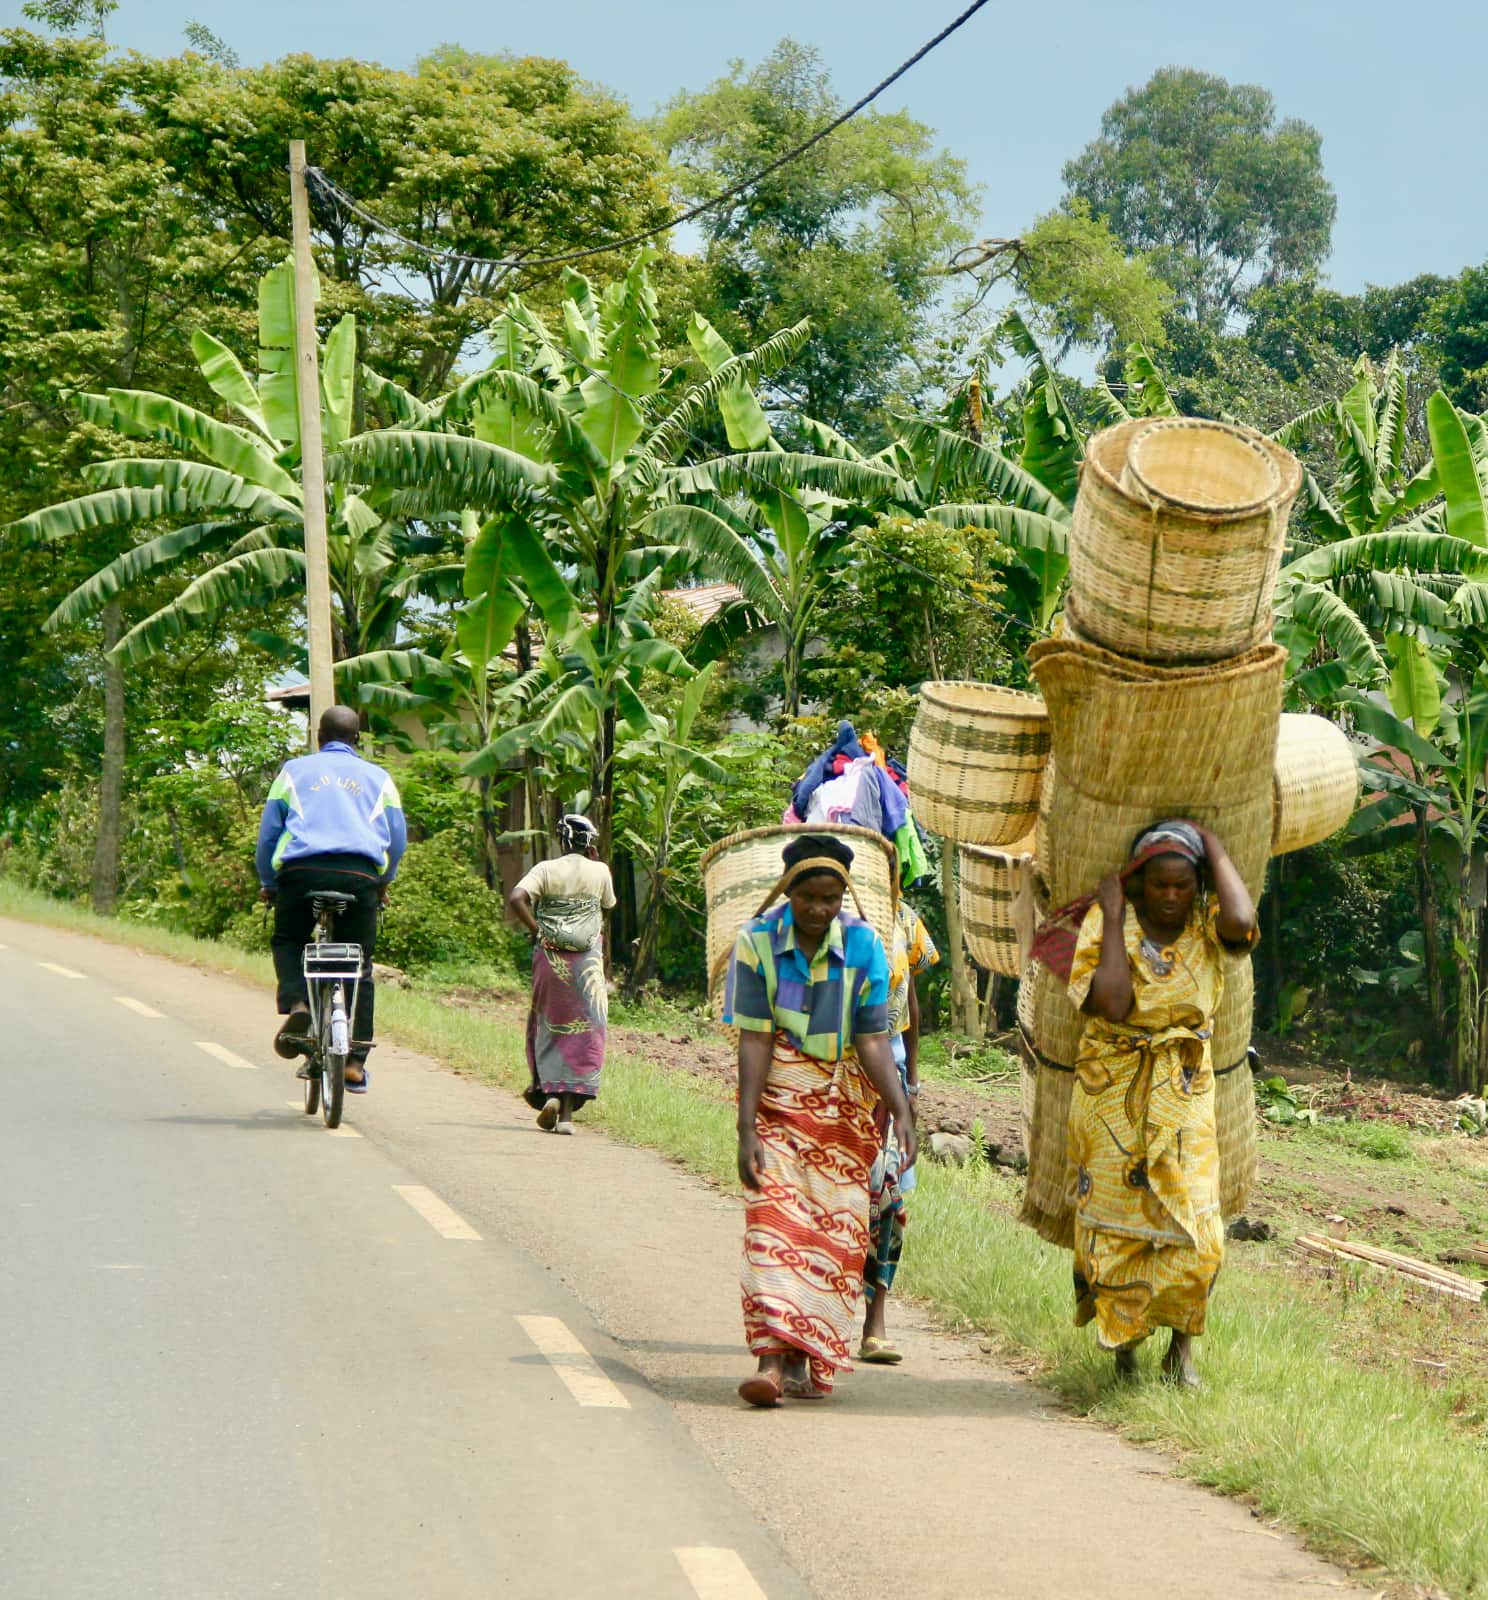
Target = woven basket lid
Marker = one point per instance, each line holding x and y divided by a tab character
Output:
1195	465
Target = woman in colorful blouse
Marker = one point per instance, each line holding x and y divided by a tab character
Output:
1148	969
808	991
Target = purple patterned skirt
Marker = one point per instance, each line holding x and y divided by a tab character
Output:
566	1025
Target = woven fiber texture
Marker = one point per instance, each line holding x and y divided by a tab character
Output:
1316	782
739	872
998	905
976	759
1177	537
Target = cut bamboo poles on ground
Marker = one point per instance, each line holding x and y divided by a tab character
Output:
1437	1279
312	460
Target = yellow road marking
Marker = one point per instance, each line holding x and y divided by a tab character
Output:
444	1219
718	1574
137	1006
579	1371
62	972
221	1053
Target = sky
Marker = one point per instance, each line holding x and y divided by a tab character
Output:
1397	94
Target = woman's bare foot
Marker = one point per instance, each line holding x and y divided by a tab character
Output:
1126	1363
1178	1364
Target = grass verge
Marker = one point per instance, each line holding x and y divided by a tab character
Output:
1365	1460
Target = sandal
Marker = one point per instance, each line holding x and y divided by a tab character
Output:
359	1088
879	1352
761	1389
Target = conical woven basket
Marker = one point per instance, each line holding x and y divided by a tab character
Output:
976	758
1316	782
739	872
998	910
1177	537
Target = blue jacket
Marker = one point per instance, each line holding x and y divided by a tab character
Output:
331	804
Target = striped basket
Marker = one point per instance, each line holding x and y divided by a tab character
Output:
976	758
739	872
1316	782
1177	537
998	910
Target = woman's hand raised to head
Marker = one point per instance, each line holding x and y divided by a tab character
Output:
1112	898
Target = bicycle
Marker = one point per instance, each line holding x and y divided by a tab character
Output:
329	966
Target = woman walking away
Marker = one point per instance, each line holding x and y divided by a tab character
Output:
808	991
560	902
1148	968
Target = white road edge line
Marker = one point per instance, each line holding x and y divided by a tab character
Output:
718	1574
63	972
221	1053
443	1219
579	1370
138	1007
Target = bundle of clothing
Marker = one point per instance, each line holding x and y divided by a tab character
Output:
854	780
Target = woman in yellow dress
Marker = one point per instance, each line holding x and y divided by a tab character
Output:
1148	970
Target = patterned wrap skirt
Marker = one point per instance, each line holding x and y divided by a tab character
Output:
567	1023
1149	1239
806	1229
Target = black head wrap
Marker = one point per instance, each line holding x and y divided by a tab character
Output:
811	853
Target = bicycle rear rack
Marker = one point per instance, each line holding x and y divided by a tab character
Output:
330	961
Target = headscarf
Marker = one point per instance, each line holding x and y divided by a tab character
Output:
1054	943
576	832
811	853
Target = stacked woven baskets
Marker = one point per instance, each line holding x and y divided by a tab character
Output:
1161	697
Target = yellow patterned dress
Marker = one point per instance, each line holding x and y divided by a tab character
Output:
1149	1239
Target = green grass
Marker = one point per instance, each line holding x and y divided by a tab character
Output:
1368	1461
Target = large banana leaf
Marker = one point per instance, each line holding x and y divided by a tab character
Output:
95	592
980	466
1415	685
527	402
1145	379
778	469
450	469
1457	471
404	406
1328	617
1374	721
246	581
183	488
672	435
485	625
276	353
825	440
744	421
613	418
722	551
1412	550
1052	447
389	666
1389	444
1016	527
528	563
338	382
225	377
145	415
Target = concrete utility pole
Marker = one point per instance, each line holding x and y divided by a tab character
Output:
312	460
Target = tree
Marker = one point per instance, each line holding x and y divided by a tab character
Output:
1199	172
572	462
491	156
850	236
1460	318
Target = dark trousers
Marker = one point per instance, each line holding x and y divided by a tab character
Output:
294	926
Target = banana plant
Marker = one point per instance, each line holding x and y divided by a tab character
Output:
572	444
230	493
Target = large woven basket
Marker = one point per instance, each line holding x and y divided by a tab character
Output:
739	872
1316	782
998	909
1177	537
976	758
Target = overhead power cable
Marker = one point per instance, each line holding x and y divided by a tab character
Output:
333	194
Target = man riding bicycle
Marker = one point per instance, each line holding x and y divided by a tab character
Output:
332	821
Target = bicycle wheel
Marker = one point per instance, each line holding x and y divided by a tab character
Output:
332	1060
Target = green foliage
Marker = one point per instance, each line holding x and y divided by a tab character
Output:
1199	173
440	912
850	236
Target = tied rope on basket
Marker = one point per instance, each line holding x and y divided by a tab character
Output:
1054	943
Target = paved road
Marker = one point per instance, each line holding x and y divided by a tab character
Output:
241	1357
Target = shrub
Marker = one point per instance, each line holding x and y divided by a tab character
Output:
441	913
